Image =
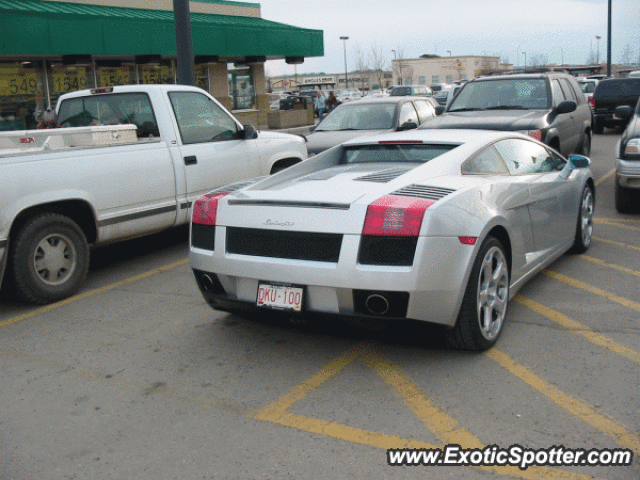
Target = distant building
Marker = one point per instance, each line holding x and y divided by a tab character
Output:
432	70
368	80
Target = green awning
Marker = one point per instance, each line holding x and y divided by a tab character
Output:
36	27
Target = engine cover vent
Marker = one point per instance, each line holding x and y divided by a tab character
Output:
423	191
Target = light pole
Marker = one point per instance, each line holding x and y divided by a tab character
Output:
346	78
449	52
598	37
525	60
562	53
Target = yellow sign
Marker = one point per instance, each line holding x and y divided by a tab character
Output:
110	76
69	80
18	83
156	75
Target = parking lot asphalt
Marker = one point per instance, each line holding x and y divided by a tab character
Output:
137	378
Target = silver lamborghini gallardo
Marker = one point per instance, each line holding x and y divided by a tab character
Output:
442	226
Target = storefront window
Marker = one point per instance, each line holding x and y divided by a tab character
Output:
111	76
241	88
156	74
22	93
68	78
202	77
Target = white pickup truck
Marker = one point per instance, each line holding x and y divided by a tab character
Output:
132	163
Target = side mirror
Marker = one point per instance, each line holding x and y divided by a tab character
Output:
624	112
567	106
579	161
440	109
249	132
407	126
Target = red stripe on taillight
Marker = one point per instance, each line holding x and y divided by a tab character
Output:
592	101
400	142
206	208
395	216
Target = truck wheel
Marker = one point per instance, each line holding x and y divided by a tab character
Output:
484	306
623	199
50	259
585	147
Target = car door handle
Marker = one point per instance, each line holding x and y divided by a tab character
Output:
190	160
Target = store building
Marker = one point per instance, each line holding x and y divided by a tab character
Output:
433	70
50	47
367	80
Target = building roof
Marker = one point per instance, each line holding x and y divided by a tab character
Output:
36	27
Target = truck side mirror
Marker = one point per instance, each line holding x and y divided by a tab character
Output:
249	132
623	111
567	106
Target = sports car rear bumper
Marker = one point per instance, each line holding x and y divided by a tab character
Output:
429	290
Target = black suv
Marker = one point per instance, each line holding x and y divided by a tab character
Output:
610	94
549	107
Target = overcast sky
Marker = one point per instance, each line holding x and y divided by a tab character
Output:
542	28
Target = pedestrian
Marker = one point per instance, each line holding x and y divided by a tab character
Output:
332	102
320	105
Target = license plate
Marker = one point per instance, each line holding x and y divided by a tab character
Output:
282	297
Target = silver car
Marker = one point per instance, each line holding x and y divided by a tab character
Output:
441	226
369	116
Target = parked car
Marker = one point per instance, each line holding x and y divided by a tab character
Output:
549	107
369	116
344	97
612	93
403	90
440	226
628	161
96	182
588	86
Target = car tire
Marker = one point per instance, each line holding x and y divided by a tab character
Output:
624	199
50	259
585	146
599	127
484	305
584	225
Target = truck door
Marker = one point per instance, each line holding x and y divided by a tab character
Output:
212	150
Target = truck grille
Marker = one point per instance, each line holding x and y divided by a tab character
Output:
319	247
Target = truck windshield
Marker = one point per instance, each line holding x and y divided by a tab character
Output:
504	94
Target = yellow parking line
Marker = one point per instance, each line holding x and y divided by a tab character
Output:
591	289
446	428
619	244
90	293
613	266
578	328
603	178
615	223
606	425
606	219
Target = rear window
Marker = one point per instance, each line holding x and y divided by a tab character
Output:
112	109
395	152
618	88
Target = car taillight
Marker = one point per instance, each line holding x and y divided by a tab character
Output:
395	216
535	134
592	102
206	208
468	240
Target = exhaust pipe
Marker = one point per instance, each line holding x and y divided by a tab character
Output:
377	304
207	282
